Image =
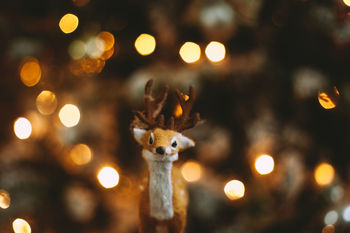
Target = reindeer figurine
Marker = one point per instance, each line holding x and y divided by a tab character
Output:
164	199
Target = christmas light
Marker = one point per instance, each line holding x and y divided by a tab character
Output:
346	214
191	171
108	177
324	174
68	23
77	49
346	2
145	44
69	115
328	229
331	217
22	128
46	102
328	99
190	52
30	72
108	40
5	199
95	47
215	51
81	154
21	226
264	164
234	189
178	109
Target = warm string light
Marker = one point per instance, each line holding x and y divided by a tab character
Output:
77	49
190	52
46	102
331	217
191	171
178	109
69	115
21	226
108	177
215	51
234	189
328	99
68	23
324	174
22	128
145	44
264	164
346	2
30	72
328	229
81	154
5	199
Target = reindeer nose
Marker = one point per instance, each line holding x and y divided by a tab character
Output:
160	150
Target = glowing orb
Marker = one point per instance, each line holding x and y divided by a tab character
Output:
108	177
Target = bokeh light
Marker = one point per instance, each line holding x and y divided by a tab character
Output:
107	39
346	2
178	109
21	226
190	52
264	164
81	154
77	49
328	229
328	98
234	189
215	51
191	171
81	3
22	128
68	23
30	72
5	199
69	115
46	102
108	177
346	214
331	217
145	44
95	47
324	174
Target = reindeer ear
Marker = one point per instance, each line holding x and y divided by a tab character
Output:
186	142
138	134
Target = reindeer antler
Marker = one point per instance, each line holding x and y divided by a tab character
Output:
185	121
150	116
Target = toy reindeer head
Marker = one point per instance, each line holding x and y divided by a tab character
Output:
153	134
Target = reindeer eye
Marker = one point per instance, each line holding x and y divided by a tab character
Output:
174	144
150	141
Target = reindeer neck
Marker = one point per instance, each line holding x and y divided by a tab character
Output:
160	184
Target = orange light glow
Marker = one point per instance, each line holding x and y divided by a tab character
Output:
145	44
108	40
81	3
107	54
81	154
46	102
178	109
324	174
108	177
69	115
68	23
190	52
234	189
30	72
21	226
191	171
5	199
328	229
22	128
328	99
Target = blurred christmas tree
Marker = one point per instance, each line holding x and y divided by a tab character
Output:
273	88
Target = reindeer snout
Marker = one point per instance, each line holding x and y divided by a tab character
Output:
160	150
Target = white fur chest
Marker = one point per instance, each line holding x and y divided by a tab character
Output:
160	185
